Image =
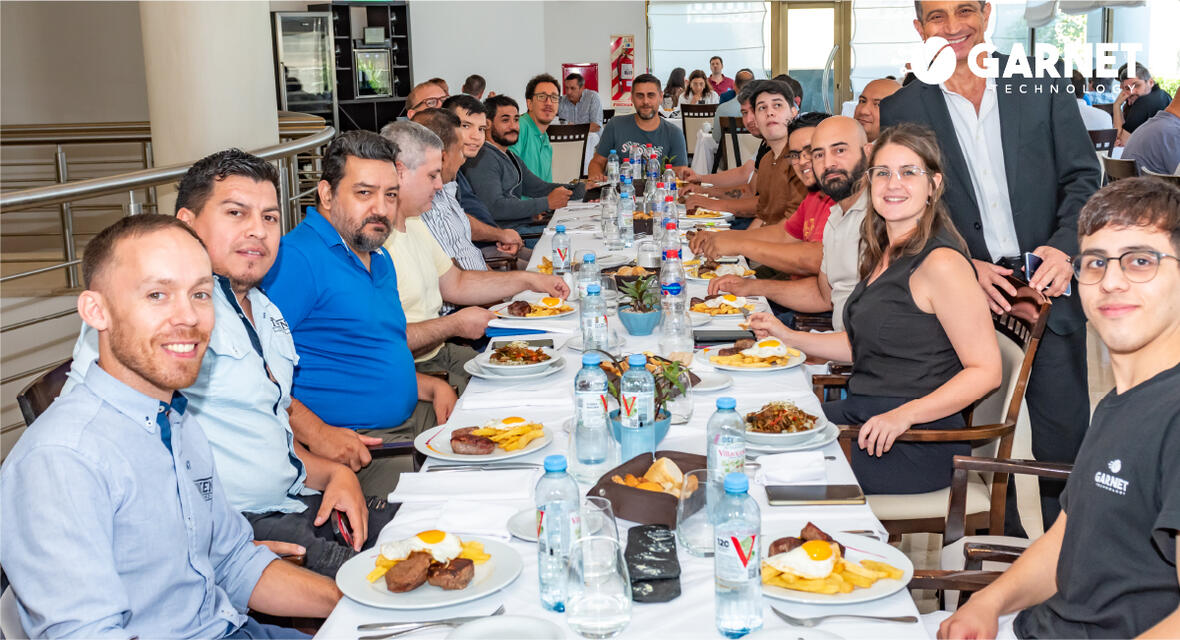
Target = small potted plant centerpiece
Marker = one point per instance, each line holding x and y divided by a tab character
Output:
641	313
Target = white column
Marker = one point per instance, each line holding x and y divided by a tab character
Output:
210	79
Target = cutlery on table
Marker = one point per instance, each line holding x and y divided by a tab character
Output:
811	622
483	467
402	628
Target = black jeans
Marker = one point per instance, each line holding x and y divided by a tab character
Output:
325	550
908	467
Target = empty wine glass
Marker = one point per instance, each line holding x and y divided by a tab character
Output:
598	588
598	518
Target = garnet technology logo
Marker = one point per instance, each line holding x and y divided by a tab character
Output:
933	61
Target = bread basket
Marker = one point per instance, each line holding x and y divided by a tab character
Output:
639	505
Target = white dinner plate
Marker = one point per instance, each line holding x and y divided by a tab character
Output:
616	343
523	525
701	225
858	548
822	436
796	633
436	443
725	215
484	360
516	627
712	381
501	311
472	367
692	278
702	317
495	574
705	353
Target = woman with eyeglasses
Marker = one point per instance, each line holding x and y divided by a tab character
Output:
699	90
918	330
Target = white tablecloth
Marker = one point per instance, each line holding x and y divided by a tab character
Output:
690	615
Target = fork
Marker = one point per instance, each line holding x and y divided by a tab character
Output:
811	622
453	622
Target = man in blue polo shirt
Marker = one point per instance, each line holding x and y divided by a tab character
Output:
337	289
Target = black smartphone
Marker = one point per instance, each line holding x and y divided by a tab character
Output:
807	494
544	342
1032	262
708	337
839	368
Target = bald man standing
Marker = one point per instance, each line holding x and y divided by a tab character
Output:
868	105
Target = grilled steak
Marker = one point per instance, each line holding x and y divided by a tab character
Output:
409	574
783	545
738	347
812	532
519	308
462	442
695	301
454	575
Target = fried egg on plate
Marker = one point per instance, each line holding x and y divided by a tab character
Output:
768	348
728	299
441	546
510	422
550	302
814	559
730	270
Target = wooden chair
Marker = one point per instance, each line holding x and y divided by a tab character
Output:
961	567
694	117
1103	139
40	393
569	150
1107	107
1167	177
993	424
737	143
607	114
1117	168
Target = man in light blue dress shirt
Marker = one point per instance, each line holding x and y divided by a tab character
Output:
243	394
113	518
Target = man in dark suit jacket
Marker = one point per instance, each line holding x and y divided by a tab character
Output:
1032	182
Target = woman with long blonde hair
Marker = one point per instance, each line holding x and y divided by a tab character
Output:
918	330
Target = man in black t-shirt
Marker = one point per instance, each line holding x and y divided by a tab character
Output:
1140	98
1107	566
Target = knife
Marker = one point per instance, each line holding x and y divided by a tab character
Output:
483	467
385	626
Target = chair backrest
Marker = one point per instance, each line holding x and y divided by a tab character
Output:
36	398
569	150
694	117
1168	177
1019	333
1107	107
956	517
607	114
1117	168
1103	139
737	144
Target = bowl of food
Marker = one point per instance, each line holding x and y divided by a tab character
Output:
780	422
517	358
628	273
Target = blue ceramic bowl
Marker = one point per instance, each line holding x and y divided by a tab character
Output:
661	427
639	324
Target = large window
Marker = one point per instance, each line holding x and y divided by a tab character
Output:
687	34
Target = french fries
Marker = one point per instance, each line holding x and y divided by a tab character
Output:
512	439
474	552
720	310
537	311
546	266
750	362
845	577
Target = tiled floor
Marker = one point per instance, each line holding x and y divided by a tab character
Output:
923	548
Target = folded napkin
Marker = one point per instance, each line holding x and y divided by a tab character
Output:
796	467
494	332
469	485
550	327
528	393
466	517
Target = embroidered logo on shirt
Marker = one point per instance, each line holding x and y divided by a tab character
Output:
280	325
205	488
1112	483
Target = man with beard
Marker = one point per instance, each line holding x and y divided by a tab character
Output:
242	397
113	518
515	195
641	129
336	286
1018	166
541	96
793	247
426	277
839	156
868	105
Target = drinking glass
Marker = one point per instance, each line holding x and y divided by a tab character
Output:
648	255
598	588
612	235
694	530
610	293
598	518
679	406
676	341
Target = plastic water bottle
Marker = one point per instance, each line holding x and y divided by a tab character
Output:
673	282
557	500
625	170
671	210
626	220
650	204
627	187
594	450
612	167
589	273
561	251
737	565
637	408
593	319
636	162
726	443
669	174
653	168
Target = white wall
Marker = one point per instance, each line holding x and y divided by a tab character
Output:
581	31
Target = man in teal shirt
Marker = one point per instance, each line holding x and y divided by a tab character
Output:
542	94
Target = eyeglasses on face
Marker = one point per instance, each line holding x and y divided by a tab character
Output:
547	97
907	173
431	103
1138	266
794	156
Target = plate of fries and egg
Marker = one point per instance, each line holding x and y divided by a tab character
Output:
768	354
545	307
512	437
843	568
726	304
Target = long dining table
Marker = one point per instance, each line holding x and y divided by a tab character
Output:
691	615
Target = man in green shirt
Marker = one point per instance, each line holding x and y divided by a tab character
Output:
542	94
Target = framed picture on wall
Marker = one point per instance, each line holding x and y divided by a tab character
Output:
372	73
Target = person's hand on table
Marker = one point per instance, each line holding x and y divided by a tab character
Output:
343	445
765	324
714	244
343	493
991	280
509	241
690	176
559	197
553	285
684	172
972	621
879	432
439	394
472	322
695	201
1054	274
736	285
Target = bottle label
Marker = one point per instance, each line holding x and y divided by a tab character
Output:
736	557
671	289
592	408
556	538
561	256
636	409
731	455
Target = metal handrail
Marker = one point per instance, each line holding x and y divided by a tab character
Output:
58	193
291	124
